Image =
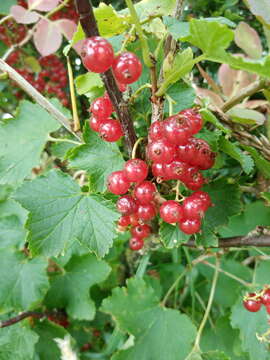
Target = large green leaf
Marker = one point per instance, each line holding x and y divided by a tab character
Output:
251	324
183	96
17	342
70	290
12	232
159	333
254	214
262	164
46	346
99	158
86	83
60	214
171	236
22	140
224	206
24	283
236	153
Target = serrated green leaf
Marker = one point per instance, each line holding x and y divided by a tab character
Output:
224	206
171	236
206	237
60	214
261	163
22	140
210	117
12	232
261	273
46	347
245	222
70	290
159	333
257	324
5	191
17	342
183	96
97	157
236	153
147	8
60	149
87	82
11	207
24	286
246	116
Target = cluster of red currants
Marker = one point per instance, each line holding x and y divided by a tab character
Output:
98	56
68	12
253	301
51	80
12	33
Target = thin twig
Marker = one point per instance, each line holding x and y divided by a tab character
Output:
89	25
21	317
76	120
35	95
238	241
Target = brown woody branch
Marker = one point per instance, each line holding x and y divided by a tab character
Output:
239	241
89	25
21	317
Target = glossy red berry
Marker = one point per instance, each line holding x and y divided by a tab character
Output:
193	208
94	123
124	221
195	120
176	129
190	226
127	68
176	170
102	107
140	231
126	205
194	180
134	220
161	151
158	170
171	212
110	130
118	184
251	303
203	157
136	170
146	211
204	197
136	243
265	298
97	54
156	131
144	192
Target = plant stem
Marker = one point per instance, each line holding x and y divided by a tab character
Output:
58	8
76	121
244	93
238	241
35	95
5	18
50	138
138	91
21	317
133	155
144	44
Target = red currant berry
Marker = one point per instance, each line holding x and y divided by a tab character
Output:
124	221
97	54
126	205
195	120
156	131
140	231
177	130
171	212
190	226
158	170
203	197
161	151
251	303
127	68
194	180
193	208
102	107
136	243
94	123
146	211
134	220
136	170
176	170
144	192
110	130
265	298
118	184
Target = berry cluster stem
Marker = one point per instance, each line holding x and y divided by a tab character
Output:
89	25
76	121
